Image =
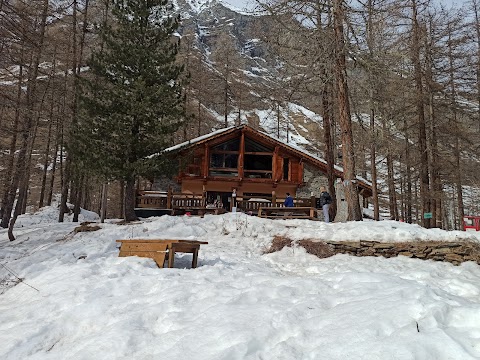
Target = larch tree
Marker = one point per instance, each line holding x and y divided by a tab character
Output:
132	102
344	118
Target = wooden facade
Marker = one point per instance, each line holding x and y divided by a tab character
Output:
244	162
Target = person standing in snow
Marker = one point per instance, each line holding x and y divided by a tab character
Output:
288	201
324	203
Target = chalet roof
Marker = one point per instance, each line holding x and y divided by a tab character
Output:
293	148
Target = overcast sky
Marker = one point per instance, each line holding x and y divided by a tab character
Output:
250	4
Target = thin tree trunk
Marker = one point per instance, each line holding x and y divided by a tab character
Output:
69	161
456	150
328	140
10	187
103	203
28	122
408	180
422	132
373	165
477	33
121	204
47	147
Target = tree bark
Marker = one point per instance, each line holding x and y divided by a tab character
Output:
422	131
130	199
22	162
351	193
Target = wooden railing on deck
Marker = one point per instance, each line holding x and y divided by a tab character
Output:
253	203
171	200
168	200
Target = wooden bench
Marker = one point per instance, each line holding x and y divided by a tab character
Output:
160	250
272	212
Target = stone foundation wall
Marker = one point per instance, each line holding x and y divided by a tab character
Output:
453	252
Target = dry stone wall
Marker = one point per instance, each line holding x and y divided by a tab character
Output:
453	252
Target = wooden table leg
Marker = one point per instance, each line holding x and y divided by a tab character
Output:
171	256
195	257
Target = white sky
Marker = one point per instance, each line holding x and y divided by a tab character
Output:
250	4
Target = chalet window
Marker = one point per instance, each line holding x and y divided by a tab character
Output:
224	159
258	160
286	168
258	166
253	146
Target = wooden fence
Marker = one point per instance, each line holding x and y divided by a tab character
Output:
171	200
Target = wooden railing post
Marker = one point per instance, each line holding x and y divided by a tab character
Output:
169	198
312	201
274	198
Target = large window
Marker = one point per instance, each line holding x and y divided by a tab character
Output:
258	160
224	159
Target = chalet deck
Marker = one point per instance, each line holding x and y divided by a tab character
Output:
243	169
172	203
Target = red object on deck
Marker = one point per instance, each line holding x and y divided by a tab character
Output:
471	223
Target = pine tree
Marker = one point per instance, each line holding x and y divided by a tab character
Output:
132	101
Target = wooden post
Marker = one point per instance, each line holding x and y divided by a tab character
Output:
312	201
277	166
169	198
204	197
274	198
206	162
241	157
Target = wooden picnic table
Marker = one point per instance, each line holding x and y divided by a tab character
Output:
160	249
299	212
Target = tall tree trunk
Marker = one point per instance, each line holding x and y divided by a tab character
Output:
69	168
373	165
130	199
408	175
350	182
121	205
422	131
477	33
456	150
432	138
47	146
10	188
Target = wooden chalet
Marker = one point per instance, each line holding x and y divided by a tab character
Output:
243	168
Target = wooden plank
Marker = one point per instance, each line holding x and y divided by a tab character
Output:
144	246
158	255
148	241
160	241
185	247
269	153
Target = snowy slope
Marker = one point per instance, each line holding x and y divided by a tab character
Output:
239	303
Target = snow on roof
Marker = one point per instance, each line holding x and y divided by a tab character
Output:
288	145
192	141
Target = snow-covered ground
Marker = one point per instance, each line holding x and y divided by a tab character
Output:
82	301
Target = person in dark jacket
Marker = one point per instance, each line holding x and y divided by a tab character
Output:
288	201
324	203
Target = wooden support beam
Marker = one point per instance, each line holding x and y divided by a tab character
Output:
241	157
206	160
